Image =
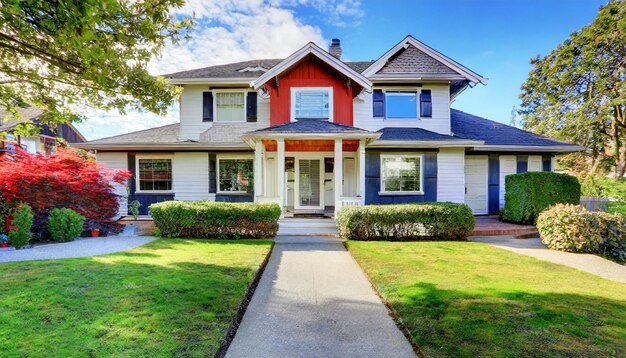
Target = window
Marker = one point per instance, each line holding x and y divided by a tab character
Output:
311	103
401	173
235	175
426	104
401	104
230	107
155	174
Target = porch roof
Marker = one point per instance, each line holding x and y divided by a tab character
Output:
312	129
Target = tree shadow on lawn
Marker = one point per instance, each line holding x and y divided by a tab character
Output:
495	323
129	304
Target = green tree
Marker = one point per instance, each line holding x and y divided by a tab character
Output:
577	92
61	55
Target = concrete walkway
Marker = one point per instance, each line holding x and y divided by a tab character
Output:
83	247
534	247
315	301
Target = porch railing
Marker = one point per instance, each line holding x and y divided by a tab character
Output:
350	201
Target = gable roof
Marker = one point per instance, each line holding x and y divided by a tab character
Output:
493	133
314	50
408	54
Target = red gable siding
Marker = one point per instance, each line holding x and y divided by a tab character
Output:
310	73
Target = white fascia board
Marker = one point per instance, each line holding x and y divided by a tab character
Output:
312	48
217	81
531	148
426	144
378	64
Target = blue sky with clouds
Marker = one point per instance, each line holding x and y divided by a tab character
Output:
494	38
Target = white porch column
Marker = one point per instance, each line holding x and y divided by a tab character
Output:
258	170
280	167
338	174
362	170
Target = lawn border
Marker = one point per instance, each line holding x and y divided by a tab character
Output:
234	326
392	311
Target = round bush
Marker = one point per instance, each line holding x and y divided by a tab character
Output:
572	228
65	224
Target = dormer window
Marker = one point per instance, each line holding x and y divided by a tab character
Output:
312	103
402	104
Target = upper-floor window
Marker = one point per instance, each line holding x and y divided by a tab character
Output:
312	103
402	104
230	107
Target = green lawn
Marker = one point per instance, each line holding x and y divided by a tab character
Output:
168	298
463	299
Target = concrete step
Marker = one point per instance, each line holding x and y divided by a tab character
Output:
307	227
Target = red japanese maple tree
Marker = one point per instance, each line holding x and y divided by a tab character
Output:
65	179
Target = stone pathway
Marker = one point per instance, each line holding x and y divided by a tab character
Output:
534	247
83	247
314	300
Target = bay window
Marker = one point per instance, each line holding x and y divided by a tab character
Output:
401	174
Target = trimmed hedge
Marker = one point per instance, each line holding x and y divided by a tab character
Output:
431	221
572	228
209	219
65	224
530	193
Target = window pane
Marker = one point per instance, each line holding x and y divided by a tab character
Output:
229	107
236	175
312	104
401	174
401	105
155	174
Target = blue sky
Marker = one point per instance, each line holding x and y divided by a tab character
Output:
493	38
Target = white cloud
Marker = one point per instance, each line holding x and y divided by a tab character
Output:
227	31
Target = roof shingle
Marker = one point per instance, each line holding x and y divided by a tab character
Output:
413	60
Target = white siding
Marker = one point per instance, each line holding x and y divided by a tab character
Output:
190	176
535	163
116	160
439	122
508	165
451	175
192	126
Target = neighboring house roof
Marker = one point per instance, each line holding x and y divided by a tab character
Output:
30	113
493	133
312	49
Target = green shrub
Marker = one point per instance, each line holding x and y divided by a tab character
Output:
209	219
434	221
572	228
65	224
23	221
530	193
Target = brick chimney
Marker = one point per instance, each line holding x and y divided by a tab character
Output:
335	48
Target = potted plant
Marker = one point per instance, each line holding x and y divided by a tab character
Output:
93	227
4	240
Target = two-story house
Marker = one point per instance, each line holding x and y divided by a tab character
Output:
315	133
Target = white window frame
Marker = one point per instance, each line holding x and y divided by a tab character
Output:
152	156
220	157
295	90
402	155
245	104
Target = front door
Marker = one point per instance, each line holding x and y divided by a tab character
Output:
309	184
476	184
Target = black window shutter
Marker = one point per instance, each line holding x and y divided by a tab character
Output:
378	98
207	106
251	107
426	104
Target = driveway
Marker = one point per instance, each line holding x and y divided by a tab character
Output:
534	247
313	300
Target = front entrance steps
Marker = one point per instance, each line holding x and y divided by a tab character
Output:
307	227
492	226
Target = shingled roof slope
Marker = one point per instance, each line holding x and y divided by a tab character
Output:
165	134
413	60
469	126
413	134
313	126
29	113
234	70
